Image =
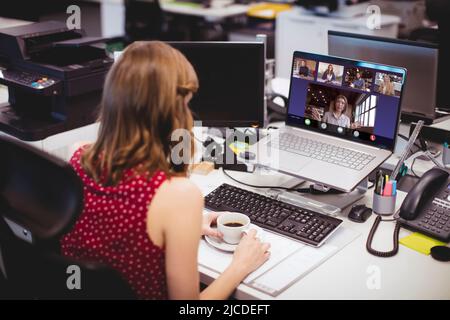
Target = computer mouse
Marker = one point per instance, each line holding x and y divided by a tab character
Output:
359	213
441	253
247	155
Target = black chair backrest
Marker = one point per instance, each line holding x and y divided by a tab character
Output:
38	191
40	199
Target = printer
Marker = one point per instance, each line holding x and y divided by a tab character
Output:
54	77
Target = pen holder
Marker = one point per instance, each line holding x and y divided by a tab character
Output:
446	157
383	205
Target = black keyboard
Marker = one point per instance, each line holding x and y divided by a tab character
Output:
298	223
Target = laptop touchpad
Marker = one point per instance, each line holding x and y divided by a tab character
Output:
293	163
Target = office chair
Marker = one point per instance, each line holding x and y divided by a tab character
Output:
40	199
275	111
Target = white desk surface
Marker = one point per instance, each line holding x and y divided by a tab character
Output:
213	12
216	10
408	275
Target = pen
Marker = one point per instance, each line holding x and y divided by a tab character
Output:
394	187
381	185
385	181
378	181
388	189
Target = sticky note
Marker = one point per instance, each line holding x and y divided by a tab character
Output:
420	242
238	146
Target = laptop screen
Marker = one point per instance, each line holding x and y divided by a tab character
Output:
354	100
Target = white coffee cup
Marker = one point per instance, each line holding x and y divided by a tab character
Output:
232	225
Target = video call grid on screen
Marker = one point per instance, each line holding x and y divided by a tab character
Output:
356	100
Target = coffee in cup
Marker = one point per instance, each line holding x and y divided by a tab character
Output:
232	225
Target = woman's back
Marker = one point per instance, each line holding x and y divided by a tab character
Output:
112	230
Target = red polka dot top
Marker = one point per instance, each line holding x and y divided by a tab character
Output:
112	230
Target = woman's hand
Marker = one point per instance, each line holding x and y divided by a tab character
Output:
250	254
209	219
355	125
315	115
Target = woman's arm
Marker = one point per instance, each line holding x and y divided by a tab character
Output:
179	204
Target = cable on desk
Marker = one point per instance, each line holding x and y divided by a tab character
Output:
386	254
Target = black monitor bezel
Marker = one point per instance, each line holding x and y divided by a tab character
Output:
383	39
404	42
259	121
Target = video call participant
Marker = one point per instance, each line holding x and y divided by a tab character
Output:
387	86
142	216
336	116
329	75
303	70
358	82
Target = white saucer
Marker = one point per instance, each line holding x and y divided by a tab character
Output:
224	246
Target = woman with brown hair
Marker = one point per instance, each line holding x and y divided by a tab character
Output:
336	115
142	216
329	75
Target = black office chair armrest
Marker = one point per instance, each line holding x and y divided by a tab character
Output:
275	107
276	112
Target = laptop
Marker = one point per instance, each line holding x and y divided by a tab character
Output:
341	121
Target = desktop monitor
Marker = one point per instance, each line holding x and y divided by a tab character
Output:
420	59
231	77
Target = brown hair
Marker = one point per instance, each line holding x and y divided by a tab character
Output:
144	101
343	98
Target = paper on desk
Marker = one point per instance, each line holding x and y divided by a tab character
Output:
292	269
301	262
280	248
289	261
420	242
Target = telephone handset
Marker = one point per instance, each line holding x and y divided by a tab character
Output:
429	184
426	209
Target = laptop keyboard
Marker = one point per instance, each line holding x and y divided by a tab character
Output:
322	151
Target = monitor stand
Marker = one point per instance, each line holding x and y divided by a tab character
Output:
330	204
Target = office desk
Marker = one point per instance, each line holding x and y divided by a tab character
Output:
113	13
220	12
349	273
